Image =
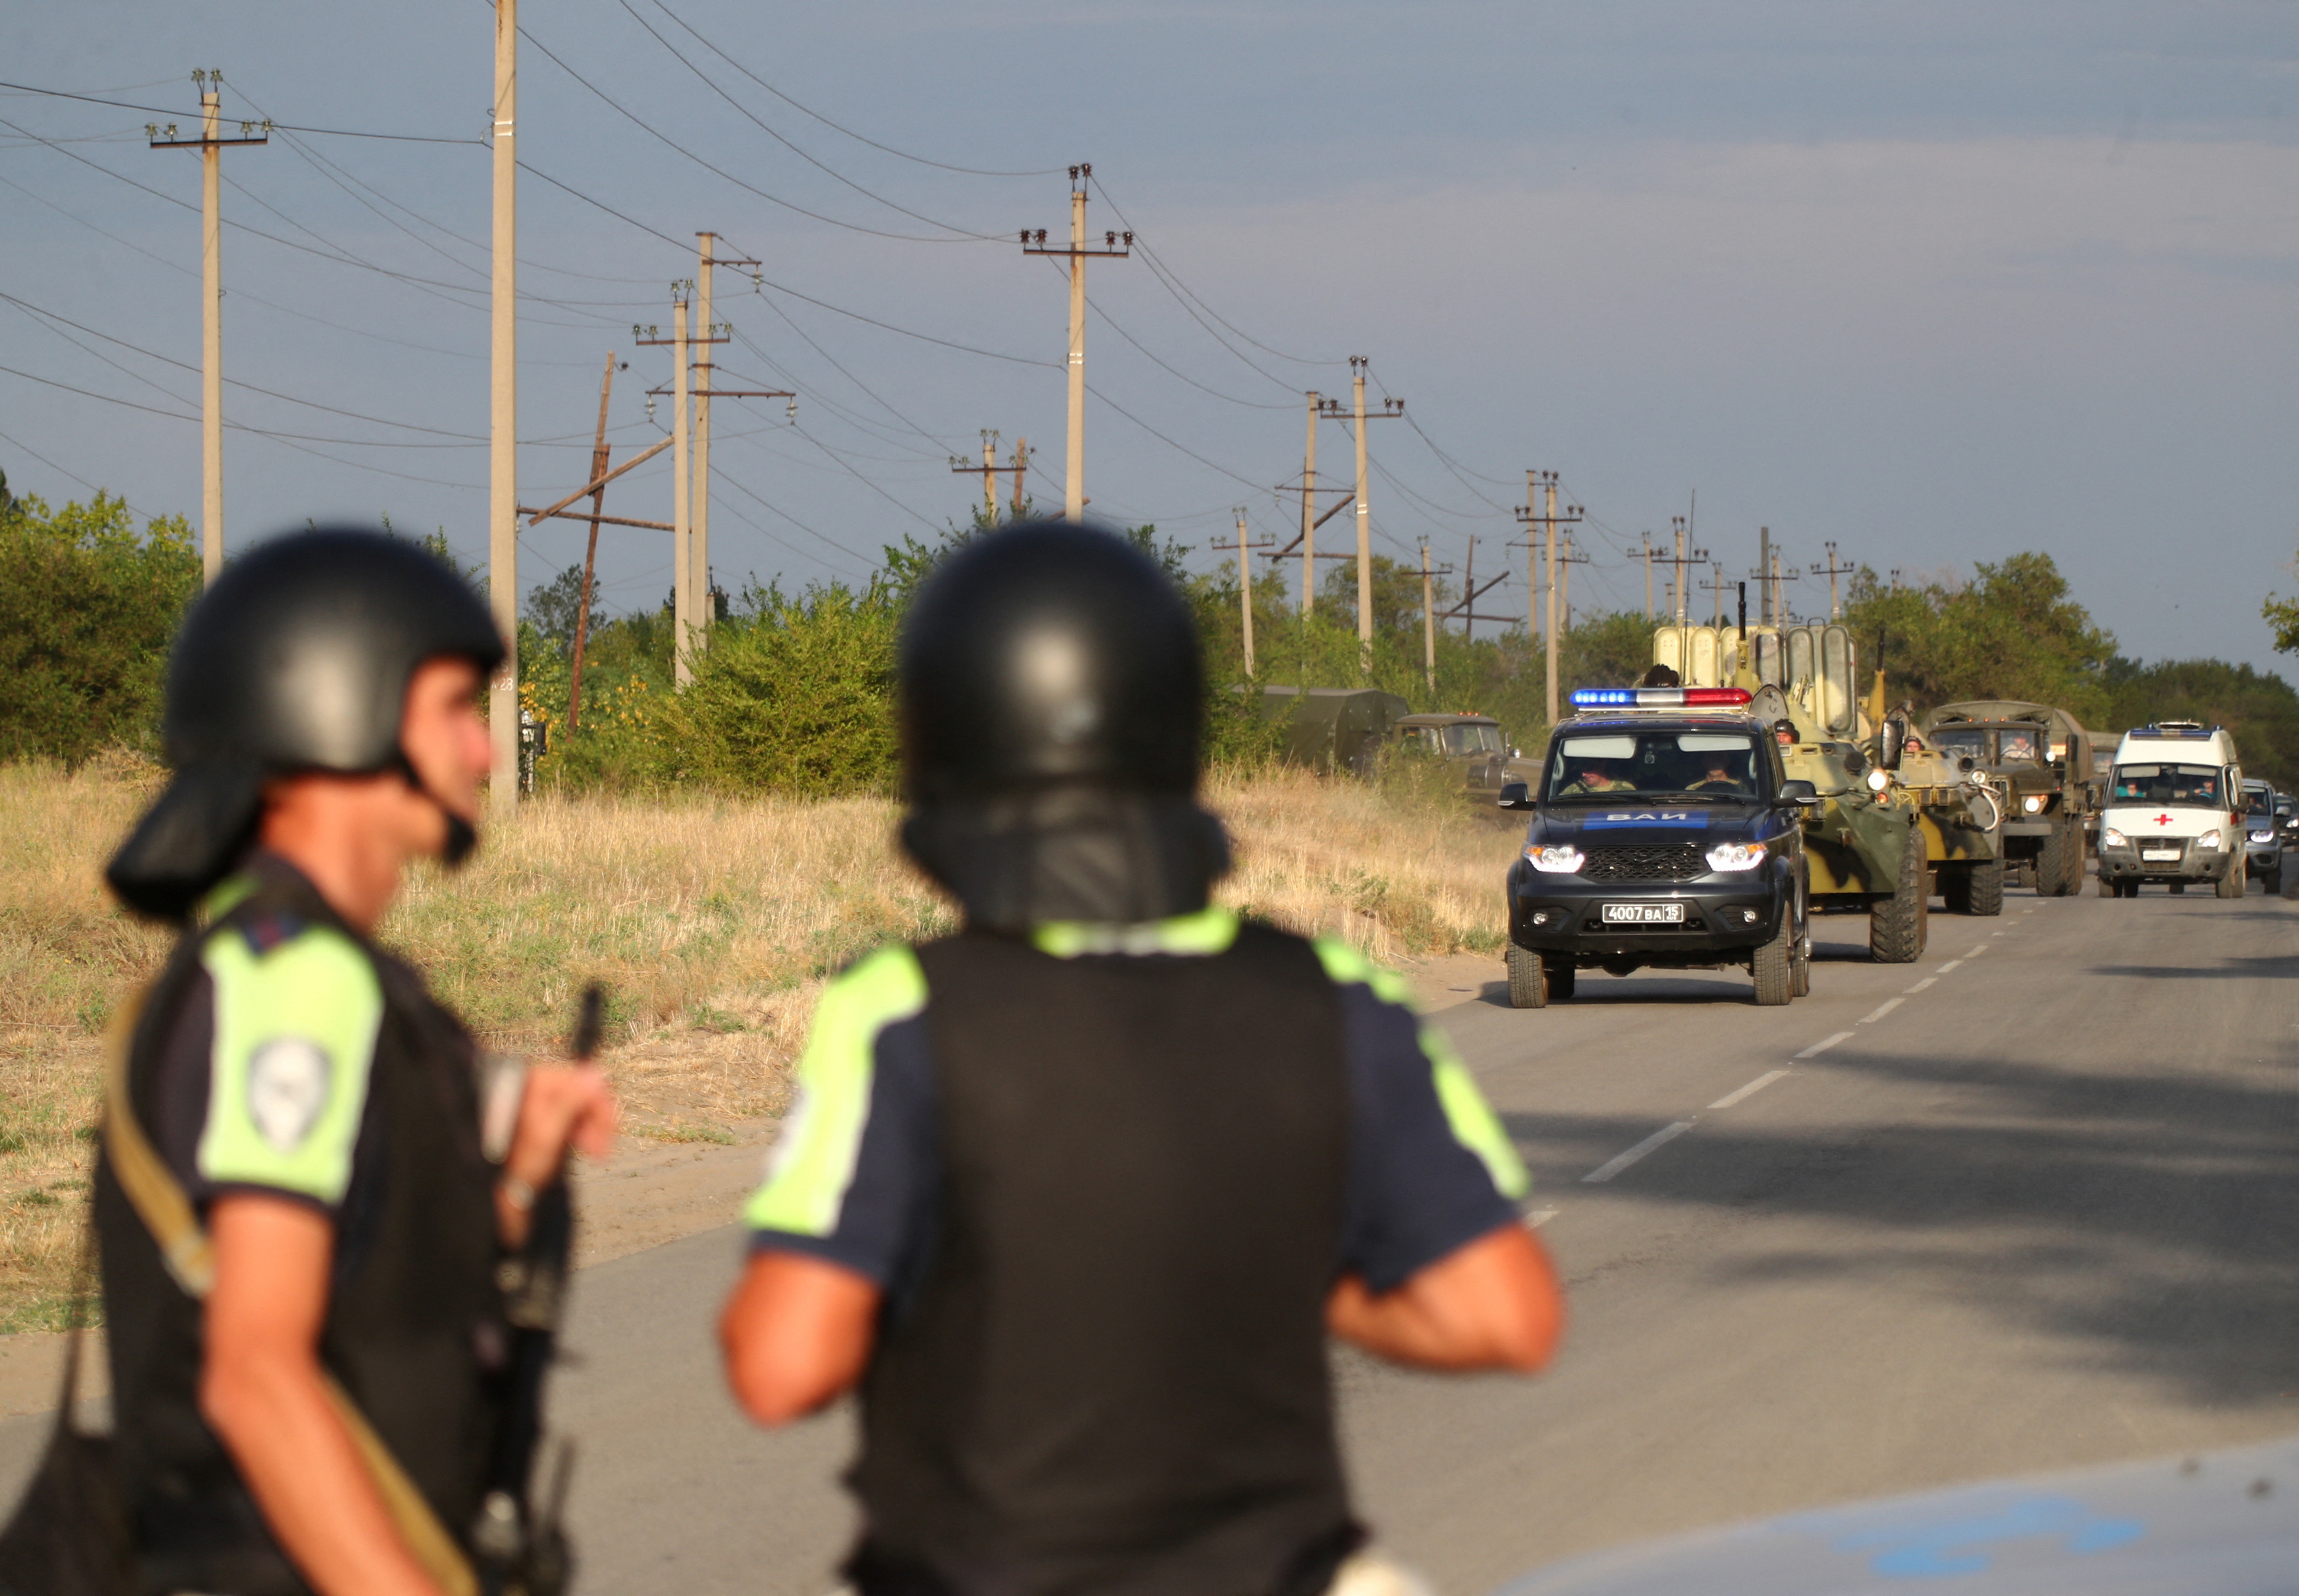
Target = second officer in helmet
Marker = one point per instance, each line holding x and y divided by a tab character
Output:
314	1193
1075	1196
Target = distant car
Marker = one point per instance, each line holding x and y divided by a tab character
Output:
2262	837
2286	819
1473	743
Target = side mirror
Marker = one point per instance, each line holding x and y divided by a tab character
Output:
1889	742
1515	794
1799	795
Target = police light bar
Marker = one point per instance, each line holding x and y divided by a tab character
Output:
1657	698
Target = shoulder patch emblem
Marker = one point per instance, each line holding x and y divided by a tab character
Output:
288	1086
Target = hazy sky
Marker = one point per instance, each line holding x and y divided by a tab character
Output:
1939	282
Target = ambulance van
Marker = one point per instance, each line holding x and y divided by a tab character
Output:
2174	813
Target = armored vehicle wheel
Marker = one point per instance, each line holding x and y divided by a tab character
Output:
1560	973
2232	884
1528	982
1984	891
1775	968
1897	925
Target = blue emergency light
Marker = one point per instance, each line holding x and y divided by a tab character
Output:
1657	698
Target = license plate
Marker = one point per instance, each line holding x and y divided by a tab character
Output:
2159	855
1644	914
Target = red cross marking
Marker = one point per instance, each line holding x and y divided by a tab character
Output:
2162	819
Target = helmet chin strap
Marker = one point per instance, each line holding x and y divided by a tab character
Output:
462	836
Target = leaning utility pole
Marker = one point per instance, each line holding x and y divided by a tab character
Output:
210	144
988	470
1074	485
1832	571
502	417
590	552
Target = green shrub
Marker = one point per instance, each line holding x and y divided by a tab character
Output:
88	608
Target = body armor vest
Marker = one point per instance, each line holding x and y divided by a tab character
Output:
1112	1376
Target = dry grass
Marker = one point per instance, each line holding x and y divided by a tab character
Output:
711	922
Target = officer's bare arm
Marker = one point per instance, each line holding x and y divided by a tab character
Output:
562	1106
796	1334
1491	1304
261	1389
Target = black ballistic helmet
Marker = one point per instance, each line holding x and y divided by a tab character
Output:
297	659
1052	704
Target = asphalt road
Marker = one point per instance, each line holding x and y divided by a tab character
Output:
2029	1203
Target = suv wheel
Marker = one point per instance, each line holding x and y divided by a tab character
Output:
1775	968
1528	982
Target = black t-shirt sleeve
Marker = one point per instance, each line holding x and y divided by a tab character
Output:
1430	1169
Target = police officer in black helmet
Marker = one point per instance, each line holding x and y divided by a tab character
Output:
314	1193
1075	1196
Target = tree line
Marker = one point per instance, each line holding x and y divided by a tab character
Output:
795	692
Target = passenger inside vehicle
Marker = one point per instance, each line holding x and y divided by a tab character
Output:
2191	786
1968	742
2018	745
1659	762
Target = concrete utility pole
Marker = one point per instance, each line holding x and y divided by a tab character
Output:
1073	482
1715	585
1540	617
1362	497
987	470
502	417
1764	570
1245	588
1648	554
1832	571
1309	511
682	506
210	144
710	334
1021	464
1571	557
1429	613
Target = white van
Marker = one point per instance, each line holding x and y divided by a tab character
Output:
2174	811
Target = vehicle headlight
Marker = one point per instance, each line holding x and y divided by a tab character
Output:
2262	837
1878	780
2211	839
1555	859
2032	805
2110	837
1736	856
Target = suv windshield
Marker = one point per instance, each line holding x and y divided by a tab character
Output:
1672	761
2192	786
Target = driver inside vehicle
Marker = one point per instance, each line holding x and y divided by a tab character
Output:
1719	778
1599	776
2018	746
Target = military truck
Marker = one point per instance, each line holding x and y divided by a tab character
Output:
2043	763
1865	852
1475	744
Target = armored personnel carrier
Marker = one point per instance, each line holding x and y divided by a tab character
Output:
1863	851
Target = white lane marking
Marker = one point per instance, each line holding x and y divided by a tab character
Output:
1748	1090
1881	1009
1977	951
1919	985
1612	1167
1951	964
1534	1218
1822	1046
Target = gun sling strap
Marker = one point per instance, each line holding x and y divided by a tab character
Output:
159	1201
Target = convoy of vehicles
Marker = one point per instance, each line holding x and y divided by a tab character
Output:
2174	813
1472	743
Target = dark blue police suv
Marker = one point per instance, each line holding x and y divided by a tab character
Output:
1664	835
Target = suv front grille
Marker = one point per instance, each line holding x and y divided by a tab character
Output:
1675	862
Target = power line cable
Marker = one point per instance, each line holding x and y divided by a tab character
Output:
58	94
971	171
